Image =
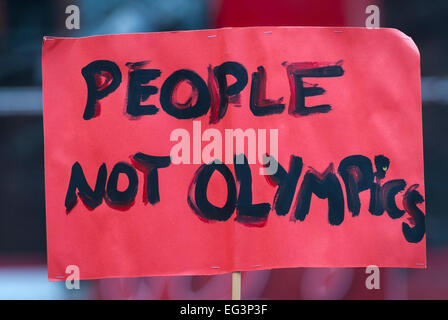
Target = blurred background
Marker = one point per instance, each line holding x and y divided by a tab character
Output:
23	23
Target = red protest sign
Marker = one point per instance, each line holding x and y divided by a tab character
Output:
205	152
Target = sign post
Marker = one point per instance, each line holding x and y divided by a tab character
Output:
236	285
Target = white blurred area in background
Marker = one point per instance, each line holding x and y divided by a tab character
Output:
31	282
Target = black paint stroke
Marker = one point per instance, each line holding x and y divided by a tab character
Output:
357	173
325	186
382	164
92	73
186	110
90	198
228	93
388	191
248	213
416	232
138	92
259	104
296	72
121	200
197	193
149	165
286	182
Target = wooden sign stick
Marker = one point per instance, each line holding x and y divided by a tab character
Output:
236	285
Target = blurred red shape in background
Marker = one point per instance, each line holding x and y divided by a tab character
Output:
331	13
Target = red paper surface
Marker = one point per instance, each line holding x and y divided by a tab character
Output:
376	110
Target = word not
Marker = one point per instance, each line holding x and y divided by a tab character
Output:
103	77
180	152
121	200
